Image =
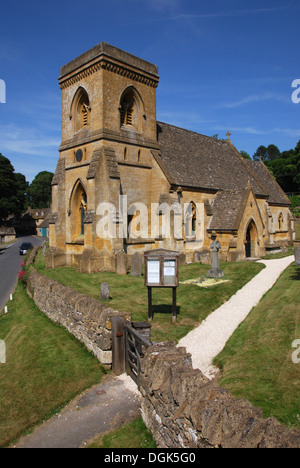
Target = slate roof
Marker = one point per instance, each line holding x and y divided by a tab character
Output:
275	192
192	160
45	223
39	213
7	231
227	208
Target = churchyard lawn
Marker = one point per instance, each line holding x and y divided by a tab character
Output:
45	368
257	362
128	294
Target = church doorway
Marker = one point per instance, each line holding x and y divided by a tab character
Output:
251	240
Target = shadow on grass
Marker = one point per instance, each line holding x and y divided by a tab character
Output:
165	309
295	276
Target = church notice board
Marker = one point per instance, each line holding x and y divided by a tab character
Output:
161	271
161	268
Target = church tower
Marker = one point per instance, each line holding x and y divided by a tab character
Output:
108	133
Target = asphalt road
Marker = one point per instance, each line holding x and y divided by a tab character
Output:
10	261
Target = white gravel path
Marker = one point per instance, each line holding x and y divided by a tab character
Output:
206	341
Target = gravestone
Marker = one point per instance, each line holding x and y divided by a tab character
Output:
136	264
215	271
121	263
297	255
182	259
105	291
196	257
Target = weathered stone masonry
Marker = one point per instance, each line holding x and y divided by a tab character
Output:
184	409
85	318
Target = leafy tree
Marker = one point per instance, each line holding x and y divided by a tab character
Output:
260	154
39	191
245	154
286	170
22	187
12	190
267	154
273	153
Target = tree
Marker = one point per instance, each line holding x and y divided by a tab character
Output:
39	191
266	154
273	153
260	154
12	190
22	187
245	154
286	170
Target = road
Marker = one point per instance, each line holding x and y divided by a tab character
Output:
10	261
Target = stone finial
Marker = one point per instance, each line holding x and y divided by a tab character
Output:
228	134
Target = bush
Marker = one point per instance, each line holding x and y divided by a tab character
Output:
23	275
295	200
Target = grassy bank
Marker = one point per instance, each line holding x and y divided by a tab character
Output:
129	294
45	368
257	360
132	435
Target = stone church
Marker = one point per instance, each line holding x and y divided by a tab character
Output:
113	149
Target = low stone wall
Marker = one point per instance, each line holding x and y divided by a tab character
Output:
85	318
184	409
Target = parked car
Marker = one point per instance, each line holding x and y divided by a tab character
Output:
25	247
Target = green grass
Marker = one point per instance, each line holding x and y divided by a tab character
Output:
257	360
131	435
128	294
45	368
285	253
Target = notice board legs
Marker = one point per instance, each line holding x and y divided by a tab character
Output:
150	304
174	315
150	309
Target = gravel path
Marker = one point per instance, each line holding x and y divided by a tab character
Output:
206	341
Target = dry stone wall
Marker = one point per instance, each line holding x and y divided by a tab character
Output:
87	319
184	409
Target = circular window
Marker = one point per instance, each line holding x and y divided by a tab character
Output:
79	155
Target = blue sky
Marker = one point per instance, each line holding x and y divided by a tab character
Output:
223	65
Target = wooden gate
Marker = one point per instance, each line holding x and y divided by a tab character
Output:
135	347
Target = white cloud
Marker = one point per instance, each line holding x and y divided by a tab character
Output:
27	141
255	98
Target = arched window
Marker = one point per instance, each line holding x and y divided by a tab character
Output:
190	220
80	111
280	222
77	212
130	109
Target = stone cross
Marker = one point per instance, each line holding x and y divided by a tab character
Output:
215	271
